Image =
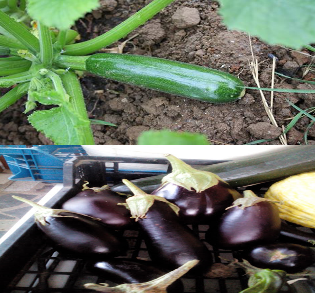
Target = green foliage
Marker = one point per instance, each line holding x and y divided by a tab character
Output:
167	137
43	91
44	80
289	23
60	124
60	14
64	123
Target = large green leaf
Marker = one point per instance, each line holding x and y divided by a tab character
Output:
58	124
283	22
167	137
59	13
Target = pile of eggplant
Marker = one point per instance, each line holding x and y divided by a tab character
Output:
91	225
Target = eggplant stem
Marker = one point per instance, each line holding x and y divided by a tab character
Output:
250	269
41	212
134	189
157	285
188	177
290	282
249	199
95	189
141	202
31	203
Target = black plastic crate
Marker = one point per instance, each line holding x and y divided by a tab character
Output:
29	264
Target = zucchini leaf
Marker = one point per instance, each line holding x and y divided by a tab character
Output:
167	137
283	22
43	92
50	97
59	124
63	124
60	14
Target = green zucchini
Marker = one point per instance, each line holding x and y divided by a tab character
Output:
251	170
182	79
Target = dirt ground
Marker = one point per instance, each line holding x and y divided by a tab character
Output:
198	37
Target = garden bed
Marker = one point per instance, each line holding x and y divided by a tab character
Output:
207	43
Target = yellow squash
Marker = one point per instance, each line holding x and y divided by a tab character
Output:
296	198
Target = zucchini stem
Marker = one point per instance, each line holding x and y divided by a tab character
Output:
19	32
71	62
46	47
13	96
118	32
4	51
13	79
74	90
10	43
61	39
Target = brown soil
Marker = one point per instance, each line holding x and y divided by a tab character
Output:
209	44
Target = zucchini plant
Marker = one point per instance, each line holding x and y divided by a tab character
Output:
40	58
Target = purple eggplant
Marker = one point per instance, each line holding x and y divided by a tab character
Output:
170	243
249	221
158	285
100	203
289	257
122	270
200	195
77	233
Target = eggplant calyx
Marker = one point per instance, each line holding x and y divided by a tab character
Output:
189	178
141	202
41	212
266	280
250	269
278	255
262	280
158	285
95	189
249	200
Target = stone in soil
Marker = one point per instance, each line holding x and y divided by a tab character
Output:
186	17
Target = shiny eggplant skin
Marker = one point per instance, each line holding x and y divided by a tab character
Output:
171	244
102	205
84	235
122	271
197	207
289	257
241	228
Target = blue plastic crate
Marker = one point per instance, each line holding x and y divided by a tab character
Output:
39	163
